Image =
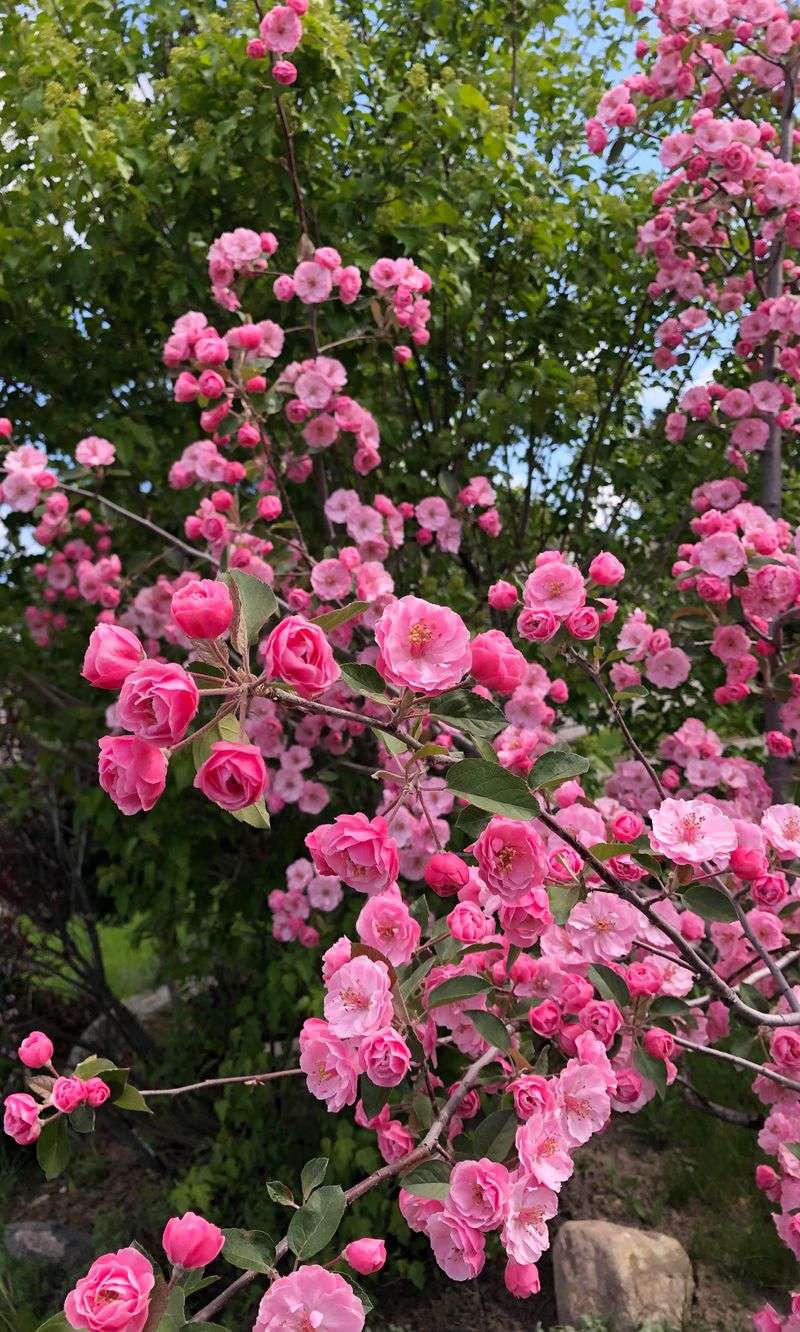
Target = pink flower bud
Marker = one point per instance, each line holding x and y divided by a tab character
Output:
283	71
749	863
21	1118
202	608
659	1043
445	873
189	1241
233	776
502	595
96	1092
269	507
256	48
112	654
365	1256
522	1279
36	1050
67	1094
606	569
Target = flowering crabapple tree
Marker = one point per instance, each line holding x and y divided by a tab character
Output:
534	952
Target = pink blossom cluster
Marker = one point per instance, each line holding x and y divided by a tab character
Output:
279	34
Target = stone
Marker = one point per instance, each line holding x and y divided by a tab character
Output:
102	1037
628	1277
48	1243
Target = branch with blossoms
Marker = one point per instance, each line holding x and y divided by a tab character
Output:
536	949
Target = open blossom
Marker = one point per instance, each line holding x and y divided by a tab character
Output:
310	1298
525	1234
95	452
692	831
21	1118
328	1064
557	587
114	1296
543	1150
358	998
422	646
459	1249
479	1193
511	857
358	850
781	827
603	927
583	1100
385	923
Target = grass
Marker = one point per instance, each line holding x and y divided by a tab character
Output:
131	960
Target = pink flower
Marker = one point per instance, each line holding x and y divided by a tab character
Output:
692	831
190	1241
281	29
356	849
583	1101
310	1298
114	1296
202	608
525	1235
233	775
283	71
112	654
365	1256
385	923
358	998
299	653
132	772
668	668
386	1057
312	283
95	452
21	1118
781	827
511	857
328	1064
502	595
532	1093
67	1094
521	1279
556	587
157	702
496	663
606	569
445	873
603	927
479	1193
422	646
36	1050
416	1212
459	1250
543	1150
96	1092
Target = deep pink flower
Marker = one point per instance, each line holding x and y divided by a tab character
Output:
479	1193
365	1256
202	608
459	1249
555	586
67	1094
190	1241
422	646
158	701
358	850
21	1118
36	1050
385	1056
298	652
496	663
114	1296
132	772
233	775
358	998
511	857
111	655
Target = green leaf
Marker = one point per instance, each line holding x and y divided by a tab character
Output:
332	619
317	1221
81	1120
313	1174
92	1067
391	742
279	1192
494	1136
472	822
131	1099
255	815
373	1098
226	728
365	680
709	902
491	1028
563	897
417	976
611	986
360	1292
653	1069
469	712
491	787
52	1147
431	1180
607	850
251	1250
58	1323
257	604
667	1006
193	1280
458	987
556	766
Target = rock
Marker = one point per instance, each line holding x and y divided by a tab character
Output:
102	1037
624	1275
43	1242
